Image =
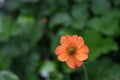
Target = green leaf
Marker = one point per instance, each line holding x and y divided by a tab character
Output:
105	69
56	76
5	28
79	11
64	3
47	68
100	6
81	1
97	44
33	61
60	18
26	23
7	75
55	42
36	32
8	52
80	15
111	23
29	1
108	24
13	5
111	28
11	28
118	32
31	76
95	23
116	2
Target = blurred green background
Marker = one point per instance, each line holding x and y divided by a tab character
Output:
30	31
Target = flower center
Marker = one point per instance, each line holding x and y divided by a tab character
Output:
71	50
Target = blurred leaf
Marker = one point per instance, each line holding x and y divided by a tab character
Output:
24	46
33	61
15	29
111	23
31	76
11	28
111	28
13	4
106	46
30	1
37	32
68	30
26	23
49	72
62	5
107	24
100	6
80	15
47	68
56	76
5	27
47	8
116	2
6	75
81	1
105	69
118	32
55	43
79	11
97	44
95	23
7	54
60	18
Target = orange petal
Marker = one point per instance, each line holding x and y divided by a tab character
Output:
63	57
74	38
83	49
65	40
81	56
79	42
72	62
78	63
59	50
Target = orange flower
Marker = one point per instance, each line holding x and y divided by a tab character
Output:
72	50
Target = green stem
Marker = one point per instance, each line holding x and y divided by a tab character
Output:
85	71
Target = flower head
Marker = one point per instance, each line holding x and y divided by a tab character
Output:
72	50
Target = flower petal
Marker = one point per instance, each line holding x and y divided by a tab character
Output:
78	63
73	40
81	56
63	57
65	40
79	42
59	50
72	62
83	49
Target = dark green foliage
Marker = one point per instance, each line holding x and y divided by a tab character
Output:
30	30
